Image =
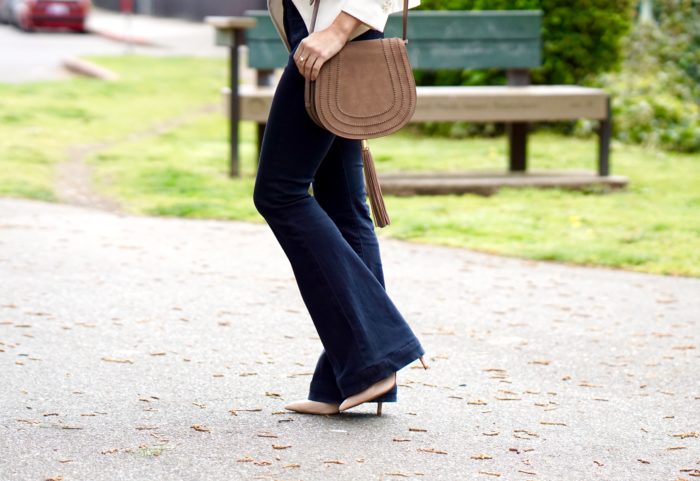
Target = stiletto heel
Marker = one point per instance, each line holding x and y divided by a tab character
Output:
425	366
379	408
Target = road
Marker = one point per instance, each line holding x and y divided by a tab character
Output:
37	56
142	348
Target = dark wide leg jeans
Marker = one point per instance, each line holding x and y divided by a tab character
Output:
329	239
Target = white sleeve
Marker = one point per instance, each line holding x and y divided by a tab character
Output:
371	12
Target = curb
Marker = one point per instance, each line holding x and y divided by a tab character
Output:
88	69
123	38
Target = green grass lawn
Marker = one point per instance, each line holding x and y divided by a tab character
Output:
653	226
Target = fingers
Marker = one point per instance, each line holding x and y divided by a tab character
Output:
308	61
312	67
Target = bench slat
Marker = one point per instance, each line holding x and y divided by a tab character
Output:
471	39
467	25
475	104
434	54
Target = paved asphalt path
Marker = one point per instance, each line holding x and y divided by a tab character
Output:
137	348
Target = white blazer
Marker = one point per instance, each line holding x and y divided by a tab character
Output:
373	14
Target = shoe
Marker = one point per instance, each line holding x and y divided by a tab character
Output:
307	406
373	392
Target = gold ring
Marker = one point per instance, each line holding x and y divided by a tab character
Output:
301	59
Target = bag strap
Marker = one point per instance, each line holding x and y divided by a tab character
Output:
405	17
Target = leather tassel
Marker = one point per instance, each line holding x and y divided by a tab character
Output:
376	201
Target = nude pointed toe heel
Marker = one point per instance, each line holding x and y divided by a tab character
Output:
307	406
377	389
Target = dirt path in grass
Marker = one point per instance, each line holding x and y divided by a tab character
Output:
74	176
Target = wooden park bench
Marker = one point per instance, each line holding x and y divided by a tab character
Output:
509	40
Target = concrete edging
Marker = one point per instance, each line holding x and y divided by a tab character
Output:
88	69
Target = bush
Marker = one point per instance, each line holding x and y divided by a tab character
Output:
656	96
580	38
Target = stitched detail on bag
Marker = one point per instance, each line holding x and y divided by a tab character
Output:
394	64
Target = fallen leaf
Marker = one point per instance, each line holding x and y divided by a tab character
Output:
121	361
481	456
490	473
200	428
432	450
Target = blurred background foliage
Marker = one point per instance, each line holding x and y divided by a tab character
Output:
651	68
656	95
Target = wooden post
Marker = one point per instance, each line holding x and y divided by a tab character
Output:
604	135
265	78
517	131
230	33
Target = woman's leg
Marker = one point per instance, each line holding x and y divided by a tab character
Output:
339	188
364	336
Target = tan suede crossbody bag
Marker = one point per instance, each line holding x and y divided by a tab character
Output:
365	91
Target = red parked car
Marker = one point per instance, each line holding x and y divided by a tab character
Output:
31	14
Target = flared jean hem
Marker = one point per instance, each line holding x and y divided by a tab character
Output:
363	379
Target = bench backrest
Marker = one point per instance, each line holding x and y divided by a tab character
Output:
507	39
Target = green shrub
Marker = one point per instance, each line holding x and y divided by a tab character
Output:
656	96
580	38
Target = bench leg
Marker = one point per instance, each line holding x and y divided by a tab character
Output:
517	138
604	135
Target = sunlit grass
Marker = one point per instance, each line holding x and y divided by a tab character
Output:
652	226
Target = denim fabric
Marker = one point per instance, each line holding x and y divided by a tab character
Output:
329	239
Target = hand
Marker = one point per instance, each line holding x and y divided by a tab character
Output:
318	47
